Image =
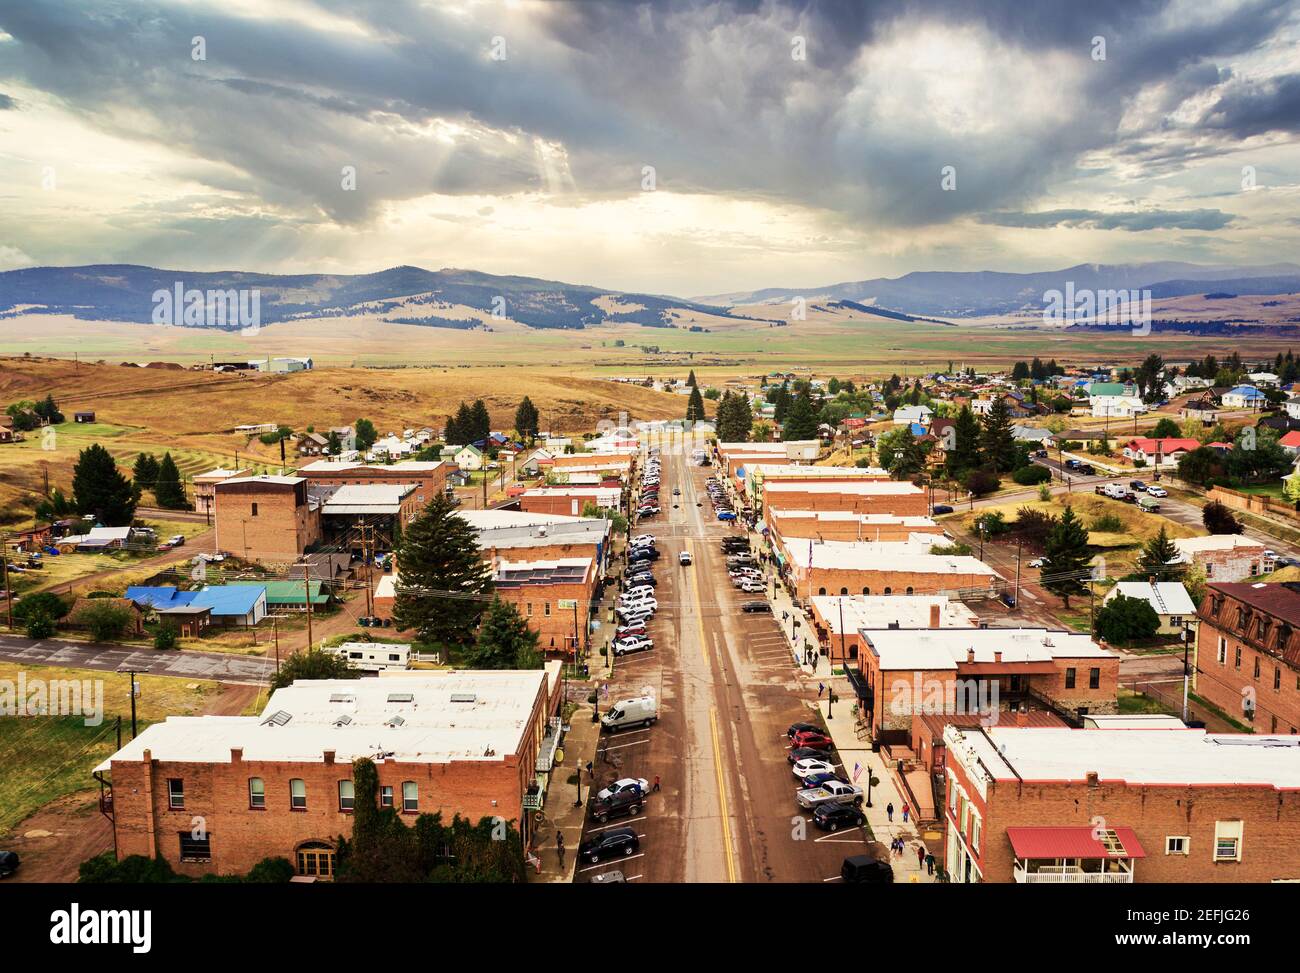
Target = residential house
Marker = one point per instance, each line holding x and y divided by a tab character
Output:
1225	557
1158	453
1169	599
1244	397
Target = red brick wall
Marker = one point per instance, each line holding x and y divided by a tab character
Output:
555	630
554	503
1226	683
903	505
848	530
428	484
277	534
833	579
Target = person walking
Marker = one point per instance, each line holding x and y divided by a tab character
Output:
889	811
559	846
929	862
907	810
655	787
920	856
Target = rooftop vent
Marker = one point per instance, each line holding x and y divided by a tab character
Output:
394	721
401	698
278	718
464	697
343	720
342	698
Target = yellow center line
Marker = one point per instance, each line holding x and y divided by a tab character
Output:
713	724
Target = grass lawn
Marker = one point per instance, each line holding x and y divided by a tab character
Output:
1133	703
46	757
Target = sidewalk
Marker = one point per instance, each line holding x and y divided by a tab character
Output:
579	746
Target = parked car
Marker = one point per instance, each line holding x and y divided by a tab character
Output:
608	844
633	644
802	728
814	739
623	631
643	539
624	785
863	869
627	713
831	792
832	817
804	753
755	607
684	558
1037	562
176	540
611	877
818	779
8	863
1137	485
751	587
942	508
622	804
802	768
1156	491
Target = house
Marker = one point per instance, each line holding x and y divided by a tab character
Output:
1159	453
1203	409
1114	400
232	604
460	742
1290	441
1292	407
1170	600
95	539
909	414
1180	806
311	444
1244	397
1263	378
1037	435
1248	653
466	457
86	416
78	614
292	595
1225	557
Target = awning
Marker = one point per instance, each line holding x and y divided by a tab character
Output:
1075	842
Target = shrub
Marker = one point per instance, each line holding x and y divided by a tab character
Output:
1032	475
981	482
1218	519
1107	524
167	636
271	870
42	603
1127	619
106	621
39	626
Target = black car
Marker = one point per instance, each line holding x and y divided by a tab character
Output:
8	863
833	816
756	607
642	554
625	802
859	869
805	753
942	508
801	727
608	844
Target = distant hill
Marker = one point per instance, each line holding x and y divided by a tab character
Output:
124	292
972	294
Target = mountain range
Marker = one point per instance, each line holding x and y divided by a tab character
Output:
125	292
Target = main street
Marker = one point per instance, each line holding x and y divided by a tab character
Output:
728	689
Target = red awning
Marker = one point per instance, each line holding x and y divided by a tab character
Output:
1076	842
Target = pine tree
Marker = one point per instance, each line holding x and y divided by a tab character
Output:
965	452
997	441
690	379
1066	557
441	577
695	405
145	471
481	422
169	490
1156	555
801	420
504	640
99	488
526	419
464	424
735	418
366	434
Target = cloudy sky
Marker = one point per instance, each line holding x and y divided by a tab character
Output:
677	147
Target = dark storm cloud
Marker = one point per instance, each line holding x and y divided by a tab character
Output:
706	92
1136	221
7	103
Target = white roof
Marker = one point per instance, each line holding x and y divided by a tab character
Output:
944	648
910	555
863	487
791	471
264	478
365	498
220	473
601	492
1187	546
871	520
1166	597
492	519
880	611
1171	756
302	721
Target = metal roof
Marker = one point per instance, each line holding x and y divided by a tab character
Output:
1075	842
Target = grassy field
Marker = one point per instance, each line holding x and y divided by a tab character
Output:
46	757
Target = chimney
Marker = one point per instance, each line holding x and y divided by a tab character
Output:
1092	778
970	655
934	616
236	755
329	757
1022	717
147	756
997	655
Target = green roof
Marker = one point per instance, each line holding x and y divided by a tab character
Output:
289	592
1108	388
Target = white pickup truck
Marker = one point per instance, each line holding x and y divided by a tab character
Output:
831	792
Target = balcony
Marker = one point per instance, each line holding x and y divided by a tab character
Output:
550	744
1070	875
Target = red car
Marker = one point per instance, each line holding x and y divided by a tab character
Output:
812	739
623	630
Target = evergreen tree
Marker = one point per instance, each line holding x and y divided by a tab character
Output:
694	405
997	442
99	488
333	444
964	453
1123	619
145	471
780	399
735	418
1066	558
801	420
169	489
504	640
900	453
481	423
526	419
48	411
442	577
690	379
366	434
1156	555
1019	372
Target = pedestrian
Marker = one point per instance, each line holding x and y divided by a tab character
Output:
929	862
559	846
907	811
656	783
591	771
920	855
821	688
889	812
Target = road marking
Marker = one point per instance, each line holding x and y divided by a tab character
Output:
634	743
836	878
617	824
625	858
722	794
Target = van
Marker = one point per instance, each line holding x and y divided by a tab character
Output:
1116	491
638	711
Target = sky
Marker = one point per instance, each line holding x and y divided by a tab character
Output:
686	148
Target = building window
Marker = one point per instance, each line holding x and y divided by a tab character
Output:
256	793
1094	678
1178	845
1256	673
347	795
176	794
844	591
1277	678
410	797
529	607
1223	651
1069	678
297	795
821	591
196	849
1227	841
546	608
254	510
1236	662
866	591
316	858
975	830
889	591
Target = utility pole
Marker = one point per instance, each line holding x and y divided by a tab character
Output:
306	587
1187	671
132	674
1017	596
275	634
9	595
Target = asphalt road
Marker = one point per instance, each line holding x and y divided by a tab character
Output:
727	691
219	666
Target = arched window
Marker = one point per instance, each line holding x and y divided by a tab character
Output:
821	591
909	589
256	793
316	858
866	590
844	591
889	591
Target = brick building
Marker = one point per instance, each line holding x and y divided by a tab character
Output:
514	535
881	568
1225	557
553	596
1248	653
839	620
569	500
866	497
990	671
428	478
280	784
271	519
1115	806
845	525
205	487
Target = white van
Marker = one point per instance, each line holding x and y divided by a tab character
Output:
638	711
